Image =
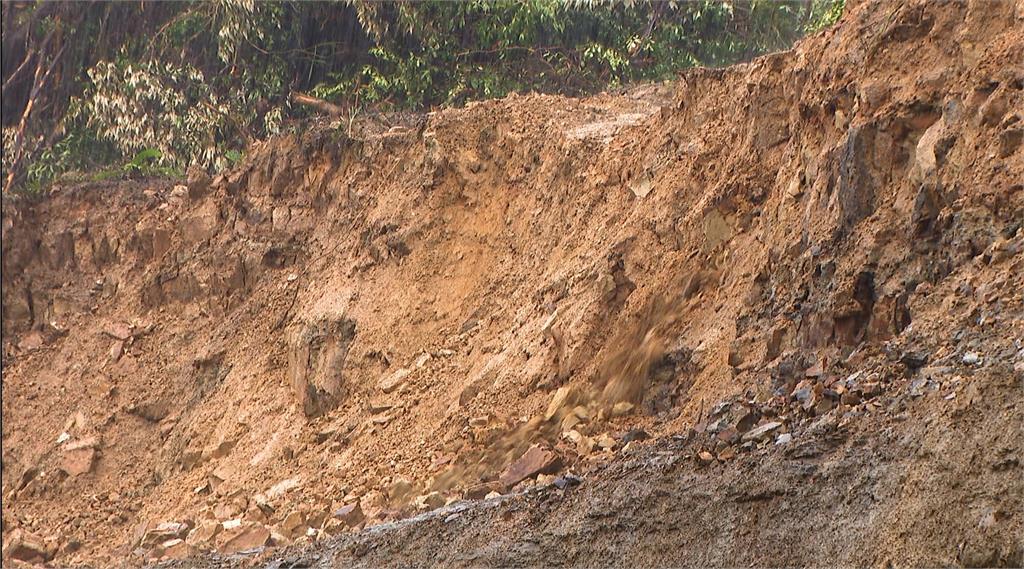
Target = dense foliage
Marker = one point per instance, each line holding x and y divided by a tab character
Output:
91	84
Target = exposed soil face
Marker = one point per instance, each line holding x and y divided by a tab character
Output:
770	314
856	495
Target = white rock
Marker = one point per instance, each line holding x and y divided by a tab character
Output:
283	487
971	358
761	432
395	380
557	400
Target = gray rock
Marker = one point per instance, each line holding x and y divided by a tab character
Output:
762	432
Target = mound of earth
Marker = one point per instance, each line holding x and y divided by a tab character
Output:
770	314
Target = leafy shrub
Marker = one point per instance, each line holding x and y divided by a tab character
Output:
158	106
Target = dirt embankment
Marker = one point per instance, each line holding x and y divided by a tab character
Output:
770	314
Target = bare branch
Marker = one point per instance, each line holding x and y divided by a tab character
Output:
321	105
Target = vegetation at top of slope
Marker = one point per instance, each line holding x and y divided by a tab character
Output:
86	85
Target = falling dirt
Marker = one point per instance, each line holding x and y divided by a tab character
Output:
620	384
763	315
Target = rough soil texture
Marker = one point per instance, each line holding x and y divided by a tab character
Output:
771	314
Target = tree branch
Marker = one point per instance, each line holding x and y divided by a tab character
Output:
37	85
321	105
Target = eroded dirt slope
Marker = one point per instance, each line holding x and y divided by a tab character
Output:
670	291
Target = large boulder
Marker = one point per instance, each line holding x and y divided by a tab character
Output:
316	357
23	546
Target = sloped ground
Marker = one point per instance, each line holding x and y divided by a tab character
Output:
770	314
888	494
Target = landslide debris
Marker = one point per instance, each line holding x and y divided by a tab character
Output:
762	288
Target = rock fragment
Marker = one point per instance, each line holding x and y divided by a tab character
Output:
351	514
747	421
226	511
399	490
557	402
635	434
243	536
762	432
914	360
293	525
79	457
431	501
567	481
605	442
24	546
622	408
116	350
177	549
395	380
204	533
118	331
971	358
536	460
164	532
